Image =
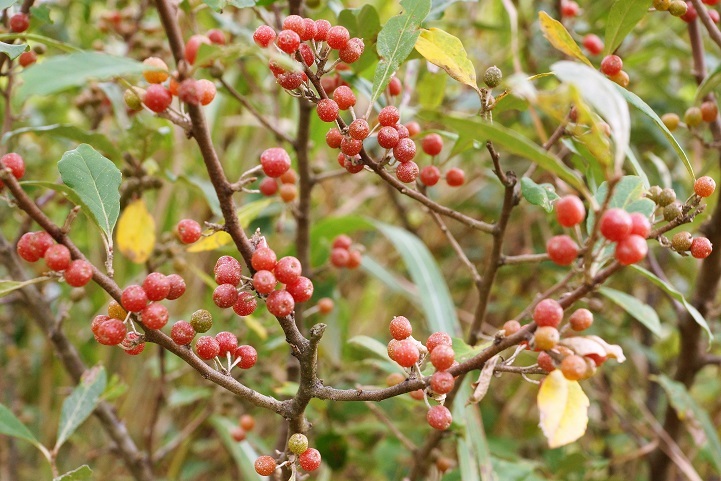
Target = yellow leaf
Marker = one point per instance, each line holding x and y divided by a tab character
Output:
443	49
246	215
564	409
136	232
556	33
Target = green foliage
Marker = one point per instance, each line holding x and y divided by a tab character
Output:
81	403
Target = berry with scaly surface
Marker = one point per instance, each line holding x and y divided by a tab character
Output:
298	443
182	333
439	417
207	347
201	320
310	459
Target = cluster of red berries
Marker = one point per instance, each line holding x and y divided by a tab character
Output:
562	249
287	189
307	458
33	246
432	144
612	67
245	424
343	254
110	330
269	271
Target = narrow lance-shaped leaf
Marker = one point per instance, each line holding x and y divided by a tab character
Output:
11	426
71	132
622	18
446	51
558	36
396	41
81	403
82	473
640	311
6	286
95	180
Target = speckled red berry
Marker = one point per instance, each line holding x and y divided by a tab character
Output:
182	333
156	286
246	304
275	161
155	316
248	356
439	417
548	312
207	347
562	250
134	298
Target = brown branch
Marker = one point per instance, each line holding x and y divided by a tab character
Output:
711	27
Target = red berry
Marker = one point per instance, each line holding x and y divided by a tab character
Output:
562	250
15	163
78	273
455	177
442	382
42	242
545	362
354	259
388	137
268	186
418	394
359	129
593	44
157	98
301	289
156	286
206	91
57	257
216	36
19	22
640	225
177	287
238	434
294	23
511	327
691	13
263	258
27	249
188	231
227	270
264	36
570	211
574	367
715	16
339	257
182	333
288	41
351	147
280	303
569	8
413	128
275	161
337	37
97	321
611	65
189	92
192	46
309	460
225	295
395	87
400	328
111	332
548	312
325	305
310	30
405	150
132	344
227	342
344	97
248	356
432	144
402	131
264	282
290	80
616	224
389	116
704	186
155	316
321	30
27	58
265	465
442	357
407	172
246	304
581	319
430	175
247	421
306	54
439	417
288	269
207	347
327	110
701	247
342	242
352	50
333	138
438	339
134	298
406	353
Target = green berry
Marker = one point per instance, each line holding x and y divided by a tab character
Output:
681	241
493	76
298	443
671	121
678	8
201	320
693	117
672	211
654	192
667	196
134	98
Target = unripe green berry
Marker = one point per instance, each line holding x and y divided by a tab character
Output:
693	117
671	121
40	48
201	320
298	443
666	197
77	294
672	211
681	241
677	8
134	98
493	76
654	192
216	70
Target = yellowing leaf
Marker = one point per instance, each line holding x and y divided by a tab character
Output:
246	215
556	33
564	409
443	49
136	232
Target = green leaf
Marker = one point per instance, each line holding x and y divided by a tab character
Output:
47	41
12	50
558	36
7	3
637	102
69	131
622	18
641	311
6	287
369	344
396	41
515	143
599	92
183	396
431	88
82	473
393	282
95	180
473	450
11	426
708	85
242	3
447	52
688	410
216	5
627	195
542	195
242	452
75	69
81	403
675	294
435	297
438	7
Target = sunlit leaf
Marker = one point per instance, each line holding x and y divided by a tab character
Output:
556	33
136	232
564	409
623	16
446	51
6	286
12	50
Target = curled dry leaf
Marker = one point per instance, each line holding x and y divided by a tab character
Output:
480	387
586	345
